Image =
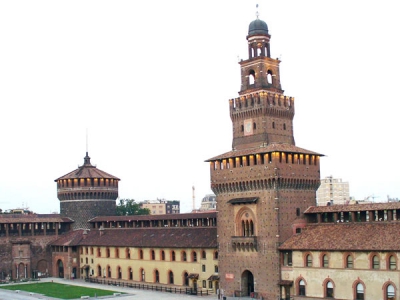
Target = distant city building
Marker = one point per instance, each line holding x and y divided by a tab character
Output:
22	211
333	191
161	206
209	202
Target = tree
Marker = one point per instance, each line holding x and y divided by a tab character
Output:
128	207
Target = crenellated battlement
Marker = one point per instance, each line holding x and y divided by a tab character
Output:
263	102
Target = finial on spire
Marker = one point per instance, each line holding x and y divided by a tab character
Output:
257	14
87	141
87	158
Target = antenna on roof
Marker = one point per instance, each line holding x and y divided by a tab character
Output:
257	14
194	198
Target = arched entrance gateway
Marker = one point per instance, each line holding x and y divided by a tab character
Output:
247	283
60	267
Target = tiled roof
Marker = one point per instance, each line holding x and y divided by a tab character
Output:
33	218
197	215
87	171
178	237
72	238
353	207
376	236
267	149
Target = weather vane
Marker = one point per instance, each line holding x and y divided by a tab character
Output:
257	14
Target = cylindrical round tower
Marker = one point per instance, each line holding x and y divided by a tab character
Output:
85	193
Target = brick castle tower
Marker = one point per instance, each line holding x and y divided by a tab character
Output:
265	183
85	193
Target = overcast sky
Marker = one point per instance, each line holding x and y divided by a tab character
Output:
150	83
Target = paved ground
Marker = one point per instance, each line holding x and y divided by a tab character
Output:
132	294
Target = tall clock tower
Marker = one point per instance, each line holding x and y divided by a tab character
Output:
265	183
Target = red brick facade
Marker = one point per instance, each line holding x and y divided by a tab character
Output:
265	183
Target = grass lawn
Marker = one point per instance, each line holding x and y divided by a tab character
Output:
57	290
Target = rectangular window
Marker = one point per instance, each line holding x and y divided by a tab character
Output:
287	258
210	284
204	284
203	268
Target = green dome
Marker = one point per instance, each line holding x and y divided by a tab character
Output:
258	27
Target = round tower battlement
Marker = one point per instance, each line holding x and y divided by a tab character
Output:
87	192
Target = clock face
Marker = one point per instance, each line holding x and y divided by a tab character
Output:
248	127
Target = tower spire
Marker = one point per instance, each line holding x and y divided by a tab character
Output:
257	13
87	158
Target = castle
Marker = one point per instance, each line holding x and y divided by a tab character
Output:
267	239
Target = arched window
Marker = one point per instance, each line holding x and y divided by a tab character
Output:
349	261
375	262
308	260
302	288
252	77
171	277
390	292
127	253
162	255
194	256
153	255
392	262
216	255
173	256
184	258
359	291
142	275
269	77
325	261
119	272
156	276
99	271
244	222
116	253
329	290
108	271
140	254
107	252
130	272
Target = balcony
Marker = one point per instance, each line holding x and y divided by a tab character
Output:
244	243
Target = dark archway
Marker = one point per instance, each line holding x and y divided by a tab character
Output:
42	268
60	268
186	279
21	271
247	283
